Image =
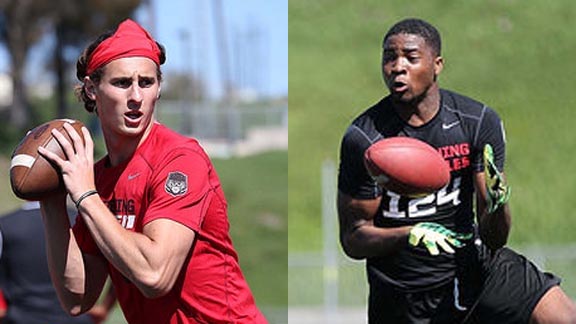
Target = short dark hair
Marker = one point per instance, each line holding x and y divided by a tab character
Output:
417	27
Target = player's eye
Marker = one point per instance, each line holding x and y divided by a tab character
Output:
122	83
388	56
413	58
146	82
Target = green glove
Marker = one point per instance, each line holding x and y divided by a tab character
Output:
498	190
434	235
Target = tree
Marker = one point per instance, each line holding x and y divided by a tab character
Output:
73	23
180	85
21	24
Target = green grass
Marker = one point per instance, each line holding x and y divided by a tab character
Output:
515	56
256	190
8	201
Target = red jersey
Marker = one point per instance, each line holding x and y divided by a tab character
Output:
170	176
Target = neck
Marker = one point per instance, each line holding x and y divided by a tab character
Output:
420	110
121	148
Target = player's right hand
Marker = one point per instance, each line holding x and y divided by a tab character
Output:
434	235
77	168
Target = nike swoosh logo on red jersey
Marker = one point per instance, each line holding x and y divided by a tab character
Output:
133	176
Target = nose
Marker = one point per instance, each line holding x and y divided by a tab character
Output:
398	65
135	92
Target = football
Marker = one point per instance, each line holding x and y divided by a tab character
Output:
407	166
32	177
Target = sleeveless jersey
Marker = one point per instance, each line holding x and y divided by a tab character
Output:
459	132
171	177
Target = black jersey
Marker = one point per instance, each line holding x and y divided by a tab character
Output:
459	132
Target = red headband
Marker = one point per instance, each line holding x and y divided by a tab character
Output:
129	40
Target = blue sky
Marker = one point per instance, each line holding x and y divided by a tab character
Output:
257	32
258	40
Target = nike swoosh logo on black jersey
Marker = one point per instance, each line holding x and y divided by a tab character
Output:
452	124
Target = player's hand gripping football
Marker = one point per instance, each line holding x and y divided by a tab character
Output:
434	235
498	191
77	168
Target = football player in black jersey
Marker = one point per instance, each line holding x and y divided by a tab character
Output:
429	260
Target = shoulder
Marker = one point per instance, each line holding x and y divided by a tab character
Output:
367	127
473	114
464	105
460	103
371	116
164	138
166	144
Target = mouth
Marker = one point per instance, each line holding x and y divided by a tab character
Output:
133	116
398	86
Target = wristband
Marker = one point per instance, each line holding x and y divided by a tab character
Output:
84	196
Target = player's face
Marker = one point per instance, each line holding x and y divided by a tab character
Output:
409	67
126	96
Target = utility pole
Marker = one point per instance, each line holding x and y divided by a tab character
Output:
151	18
186	96
222	47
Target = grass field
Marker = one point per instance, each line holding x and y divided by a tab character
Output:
256	190
515	56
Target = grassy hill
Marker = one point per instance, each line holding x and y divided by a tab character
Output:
515	56
256	189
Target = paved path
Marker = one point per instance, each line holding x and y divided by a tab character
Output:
309	315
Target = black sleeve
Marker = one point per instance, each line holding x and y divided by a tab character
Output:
353	178
490	131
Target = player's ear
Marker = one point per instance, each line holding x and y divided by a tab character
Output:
90	88
438	65
159	94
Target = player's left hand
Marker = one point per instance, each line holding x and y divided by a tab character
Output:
498	191
434	235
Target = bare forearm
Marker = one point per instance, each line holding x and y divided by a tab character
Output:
358	235
139	257
370	241
122	248
65	260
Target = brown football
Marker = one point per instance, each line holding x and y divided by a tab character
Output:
32	177
407	166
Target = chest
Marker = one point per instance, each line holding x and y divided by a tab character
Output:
125	193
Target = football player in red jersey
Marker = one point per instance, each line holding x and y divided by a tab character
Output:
152	213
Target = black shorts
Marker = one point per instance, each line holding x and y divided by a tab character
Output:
502	287
512	288
434	306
